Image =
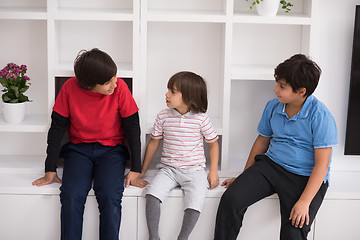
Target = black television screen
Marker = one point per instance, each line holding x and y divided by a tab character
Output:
352	138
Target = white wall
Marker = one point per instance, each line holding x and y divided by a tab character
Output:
332	46
332	35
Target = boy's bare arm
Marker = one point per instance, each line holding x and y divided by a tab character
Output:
151	148
260	146
300	212
213	176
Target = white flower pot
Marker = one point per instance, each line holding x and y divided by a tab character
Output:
14	112
268	8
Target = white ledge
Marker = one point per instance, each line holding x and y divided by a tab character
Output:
20	184
31	123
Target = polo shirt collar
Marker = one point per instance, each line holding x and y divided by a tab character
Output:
304	112
175	113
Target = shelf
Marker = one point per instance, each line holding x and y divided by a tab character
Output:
22	164
23	13
94	15
149	42
252	72
31	123
67	69
294	19
186	16
21	184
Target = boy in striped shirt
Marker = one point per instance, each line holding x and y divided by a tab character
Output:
182	126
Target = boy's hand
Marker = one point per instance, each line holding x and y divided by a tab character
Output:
134	178
139	182
300	214
228	182
49	178
213	178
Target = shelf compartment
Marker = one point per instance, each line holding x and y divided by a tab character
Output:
108	10
22	46
185	11
23	13
94	15
23	9
300	13
185	16
65	69
175	47
295	19
250	97
22	164
115	38
257	51
31	123
252	72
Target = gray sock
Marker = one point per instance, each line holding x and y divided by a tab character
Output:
152	211
191	216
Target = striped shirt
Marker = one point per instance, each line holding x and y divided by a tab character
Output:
183	136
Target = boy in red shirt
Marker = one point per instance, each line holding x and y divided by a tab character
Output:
99	112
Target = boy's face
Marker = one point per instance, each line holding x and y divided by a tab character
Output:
107	88
174	100
285	93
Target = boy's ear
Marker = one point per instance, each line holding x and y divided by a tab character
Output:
301	91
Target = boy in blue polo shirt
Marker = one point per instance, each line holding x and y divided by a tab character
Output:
291	155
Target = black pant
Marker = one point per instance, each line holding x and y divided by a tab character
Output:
261	180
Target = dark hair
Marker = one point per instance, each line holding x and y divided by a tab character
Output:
193	89
93	67
300	72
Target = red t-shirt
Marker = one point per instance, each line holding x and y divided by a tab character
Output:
95	117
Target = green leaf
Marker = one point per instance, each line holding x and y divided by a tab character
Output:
6	98
15	91
23	98
22	83
4	82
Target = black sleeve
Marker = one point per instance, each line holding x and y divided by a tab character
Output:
132	130
59	126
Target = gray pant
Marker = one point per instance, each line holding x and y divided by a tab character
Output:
193	182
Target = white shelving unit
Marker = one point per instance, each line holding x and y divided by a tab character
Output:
221	40
181	36
235	50
253	51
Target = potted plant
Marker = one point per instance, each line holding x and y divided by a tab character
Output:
15	82
270	7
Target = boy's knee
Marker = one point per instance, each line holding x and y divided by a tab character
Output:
229	199
109	197
72	198
152	198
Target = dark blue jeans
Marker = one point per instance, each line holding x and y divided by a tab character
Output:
263	179
87	165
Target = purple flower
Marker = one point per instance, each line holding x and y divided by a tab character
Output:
11	78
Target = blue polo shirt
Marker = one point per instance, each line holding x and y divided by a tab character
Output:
293	140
